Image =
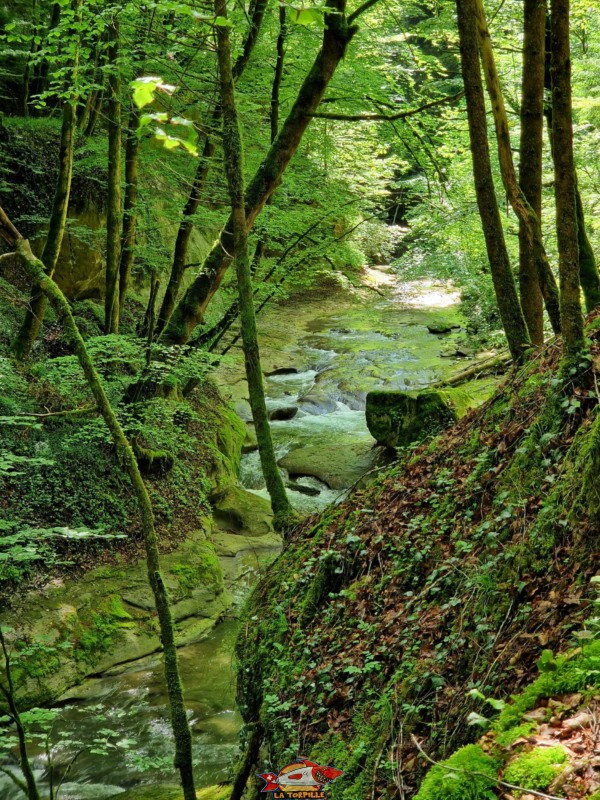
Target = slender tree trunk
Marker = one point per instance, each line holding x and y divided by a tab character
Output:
149	322
129	207
337	34
248	762
186	226
502	276
588	267
113	202
180	255
127	460
94	114
87	105
531	159
525	213
564	180
278	76
38	303
232	149
41	80
29	786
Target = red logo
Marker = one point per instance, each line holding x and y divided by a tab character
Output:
302	779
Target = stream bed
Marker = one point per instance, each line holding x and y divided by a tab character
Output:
320	364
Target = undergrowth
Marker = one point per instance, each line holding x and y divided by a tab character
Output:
452	572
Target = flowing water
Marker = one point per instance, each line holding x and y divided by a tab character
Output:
338	357
330	359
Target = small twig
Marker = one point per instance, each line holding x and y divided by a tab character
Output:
68	769
504	784
411	112
71	411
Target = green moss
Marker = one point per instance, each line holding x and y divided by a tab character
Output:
205	571
572	672
97	633
537	768
469	774
506	738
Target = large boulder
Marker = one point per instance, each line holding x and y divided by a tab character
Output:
240	511
400	418
339	466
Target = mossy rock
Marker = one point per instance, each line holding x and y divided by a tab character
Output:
399	418
241	511
107	617
337	465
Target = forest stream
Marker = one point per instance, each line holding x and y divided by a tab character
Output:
323	365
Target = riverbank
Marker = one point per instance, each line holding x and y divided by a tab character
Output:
320	360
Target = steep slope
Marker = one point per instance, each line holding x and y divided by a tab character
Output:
452	571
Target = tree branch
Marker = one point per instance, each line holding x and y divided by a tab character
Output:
388	117
361	10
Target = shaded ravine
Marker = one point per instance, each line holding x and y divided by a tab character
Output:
320	360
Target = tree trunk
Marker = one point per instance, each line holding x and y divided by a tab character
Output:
502	276
113	200
525	213
248	762
337	34
41	80
232	149
38	303
128	462
278	76
531	159
186	226
564	180
588	267
180	254
29	785
129	207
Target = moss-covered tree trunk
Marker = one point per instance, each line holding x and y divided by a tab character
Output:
129	206
530	221
589	275
128	462
233	153
38	303
180	254
564	179
113	199
502	276
337	34
531	158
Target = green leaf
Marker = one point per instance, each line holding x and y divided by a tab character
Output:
144	89
223	22
477	719
306	16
